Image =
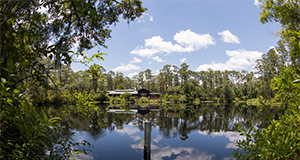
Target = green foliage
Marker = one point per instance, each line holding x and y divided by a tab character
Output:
127	96
286	12
143	102
132	99
182	98
176	98
121	86
123	101
229	94
112	100
288	88
280	140
93	94
27	132
269	67
34	45
84	103
166	97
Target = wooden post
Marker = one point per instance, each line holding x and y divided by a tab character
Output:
147	140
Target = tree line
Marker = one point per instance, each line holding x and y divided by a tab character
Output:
171	80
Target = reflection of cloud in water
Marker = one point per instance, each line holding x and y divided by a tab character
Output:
136	138
82	157
232	136
182	152
231	145
139	147
229	158
79	138
200	118
127	131
157	139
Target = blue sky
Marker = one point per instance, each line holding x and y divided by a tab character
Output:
217	34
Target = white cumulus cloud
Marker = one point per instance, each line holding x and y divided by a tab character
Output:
132	74
240	59
136	60
213	66
182	60
128	67
158	59
143	52
188	41
228	37
191	40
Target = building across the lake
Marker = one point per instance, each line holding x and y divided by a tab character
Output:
136	93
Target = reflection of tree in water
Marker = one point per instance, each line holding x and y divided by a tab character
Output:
97	130
179	120
209	118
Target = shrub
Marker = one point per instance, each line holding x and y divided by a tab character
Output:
176	99
132	99
280	140
27	132
112	100
166	97
127	95
143	102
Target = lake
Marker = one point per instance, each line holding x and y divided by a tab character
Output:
162	132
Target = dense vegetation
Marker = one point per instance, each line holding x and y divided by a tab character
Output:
280	138
36	40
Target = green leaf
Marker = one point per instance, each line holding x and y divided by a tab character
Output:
16	91
27	132
10	66
296	81
42	134
54	119
44	116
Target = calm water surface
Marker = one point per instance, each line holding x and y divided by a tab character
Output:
178	132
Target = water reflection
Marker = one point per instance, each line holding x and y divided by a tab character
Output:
180	131
180	153
232	136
